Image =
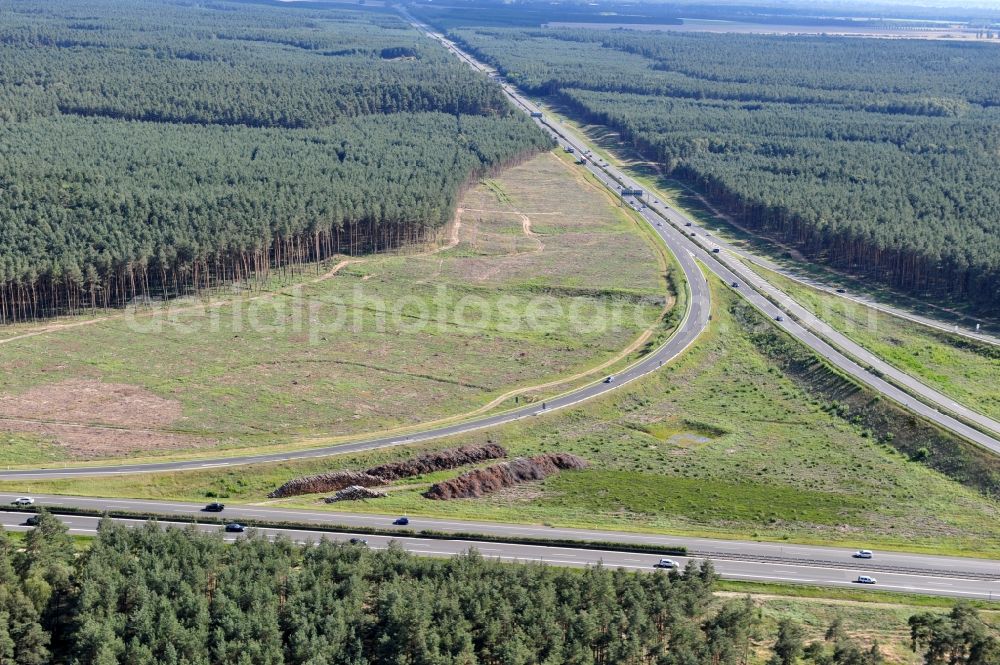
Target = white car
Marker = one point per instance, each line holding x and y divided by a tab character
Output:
665	563
864	579
862	554
23	501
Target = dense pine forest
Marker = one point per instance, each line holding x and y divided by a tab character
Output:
877	157
151	149
175	596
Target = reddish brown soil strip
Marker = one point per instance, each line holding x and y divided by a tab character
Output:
440	460
480	482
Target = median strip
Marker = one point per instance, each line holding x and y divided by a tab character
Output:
605	546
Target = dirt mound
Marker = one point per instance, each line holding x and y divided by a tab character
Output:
479	482
325	482
449	458
354	493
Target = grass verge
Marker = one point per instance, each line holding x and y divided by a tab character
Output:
966	370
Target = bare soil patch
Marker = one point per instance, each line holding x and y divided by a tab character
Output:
83	442
95	419
87	401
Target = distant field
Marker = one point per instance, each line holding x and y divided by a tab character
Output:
964	369
722	27
722	443
864	622
532	284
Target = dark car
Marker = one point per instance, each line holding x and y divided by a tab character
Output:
779	318
735	285
214	507
235	528
401	521
687	223
358	541
841	290
32	521
715	250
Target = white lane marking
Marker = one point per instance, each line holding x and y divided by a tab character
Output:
362	519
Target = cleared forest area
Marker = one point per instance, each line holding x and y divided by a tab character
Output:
875	157
153	150
522	290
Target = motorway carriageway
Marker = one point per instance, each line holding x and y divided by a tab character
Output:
736	569
750	560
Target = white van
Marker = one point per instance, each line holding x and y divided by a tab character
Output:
864	579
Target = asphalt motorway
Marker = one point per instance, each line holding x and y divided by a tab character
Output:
983	335
929	403
816	572
919	389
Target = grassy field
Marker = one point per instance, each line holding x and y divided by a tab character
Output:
530	286
966	370
722	443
